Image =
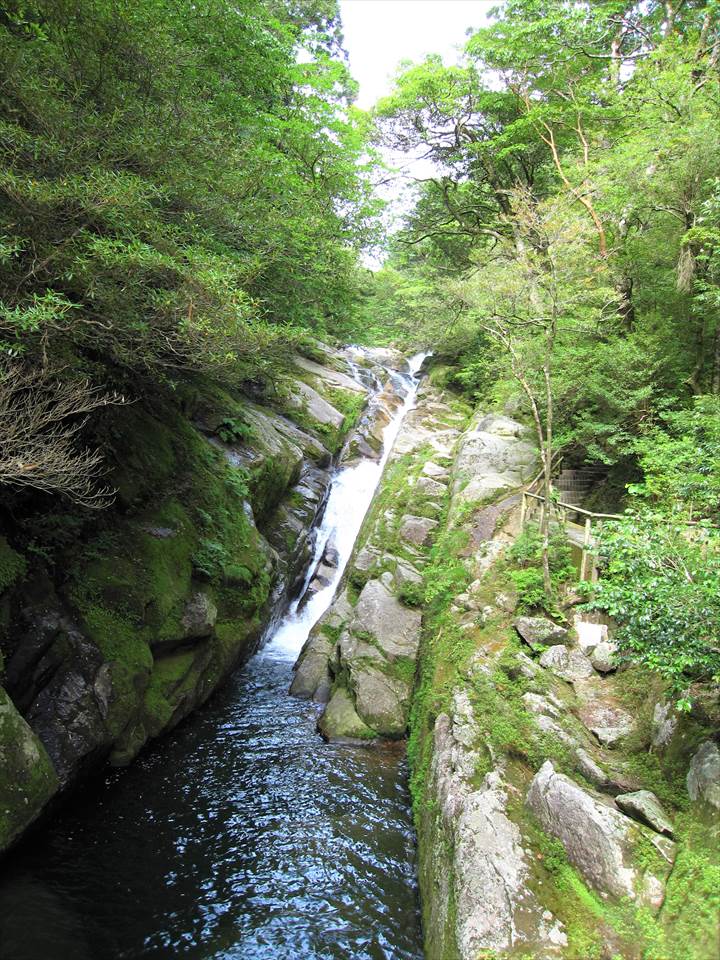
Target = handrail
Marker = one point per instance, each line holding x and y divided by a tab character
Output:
575	509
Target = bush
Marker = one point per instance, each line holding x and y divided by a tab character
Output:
661	582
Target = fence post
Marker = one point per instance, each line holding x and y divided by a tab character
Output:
585	551
523	511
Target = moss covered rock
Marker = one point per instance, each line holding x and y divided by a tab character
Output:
27	777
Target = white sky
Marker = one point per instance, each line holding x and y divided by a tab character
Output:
381	33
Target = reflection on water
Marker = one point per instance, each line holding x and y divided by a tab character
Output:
242	835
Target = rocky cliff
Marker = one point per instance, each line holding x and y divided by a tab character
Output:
114	627
564	808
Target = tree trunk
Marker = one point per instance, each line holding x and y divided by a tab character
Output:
716	362
547	477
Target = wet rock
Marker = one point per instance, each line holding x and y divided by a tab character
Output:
312	673
644	806
570	665
703	777
27	780
340	720
539	632
417	530
603	657
394	628
600	842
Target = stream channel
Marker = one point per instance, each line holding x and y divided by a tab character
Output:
241	835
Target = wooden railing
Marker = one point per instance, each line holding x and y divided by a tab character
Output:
588	566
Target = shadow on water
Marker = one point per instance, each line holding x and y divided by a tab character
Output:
240	836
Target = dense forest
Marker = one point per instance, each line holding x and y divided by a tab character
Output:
207	305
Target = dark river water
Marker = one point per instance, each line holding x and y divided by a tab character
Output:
242	835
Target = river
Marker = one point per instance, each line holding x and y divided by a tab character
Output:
241	835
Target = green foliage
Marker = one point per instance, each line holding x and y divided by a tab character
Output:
661	581
233	430
526	555
12	565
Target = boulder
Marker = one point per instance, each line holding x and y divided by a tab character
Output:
340	720
539	632
607	721
589	634
570	665
603	657
394	628
310	402
492	458
381	701
434	470
644	806
664	724
604	845
417	530
28	779
406	574
590	769
703	777
312	674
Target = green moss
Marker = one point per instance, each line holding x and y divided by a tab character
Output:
13	565
692	904
27	777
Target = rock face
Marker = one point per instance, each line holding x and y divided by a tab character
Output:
487	880
603	844
703	779
138	621
393	628
368	650
493	457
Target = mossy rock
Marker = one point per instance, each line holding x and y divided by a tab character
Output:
27	777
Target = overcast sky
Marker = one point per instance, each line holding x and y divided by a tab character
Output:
381	33
378	35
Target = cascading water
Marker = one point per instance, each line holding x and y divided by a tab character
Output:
351	493
242	835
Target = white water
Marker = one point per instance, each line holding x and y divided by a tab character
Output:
351	493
